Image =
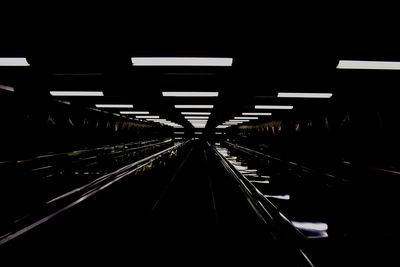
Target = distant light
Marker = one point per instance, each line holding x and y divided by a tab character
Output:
305	95
222	126
117	114
7	88
272	107
196	113
181	61
232	122
368	65
282	197
198	132
194	106
156	120
147	117
134	112
179	132
76	93
238	120
13	61
219	133
257	113
113	106
196	117
190	94
311	226
177	126
246	118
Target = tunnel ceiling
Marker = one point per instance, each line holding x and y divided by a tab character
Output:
266	60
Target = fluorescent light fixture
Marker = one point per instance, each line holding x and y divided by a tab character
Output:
13	61
196	113
179	132
196	117
147	117
368	65
198	132
177	126
181	61
157	120
282	197
219	133
232	122
7	88
76	93
191	94
238	120
305	95
199	126
246	118
134	112
311	226
256	114
222	126
113	106
194	106
272	107
117	114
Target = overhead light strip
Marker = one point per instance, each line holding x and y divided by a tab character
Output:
114	106
6	88
256	113
182	61
368	65
134	112
305	95
13	62
196	117
246	118
76	93
190	94
196	113
272	107
147	117
194	106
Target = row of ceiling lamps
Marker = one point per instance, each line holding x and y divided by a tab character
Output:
240	120
197	119
202	61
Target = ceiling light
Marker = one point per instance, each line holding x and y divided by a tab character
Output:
239	120
179	132
196	117
305	95
194	106
196	113
114	106
147	117
368	65
7	88
256	113
246	118
272	107
191	94
13	61
232	122
134	112
222	126
76	93
181	61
